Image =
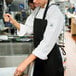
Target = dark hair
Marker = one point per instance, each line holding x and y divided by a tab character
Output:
30	1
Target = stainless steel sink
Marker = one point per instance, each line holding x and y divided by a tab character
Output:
12	54
11	61
9	71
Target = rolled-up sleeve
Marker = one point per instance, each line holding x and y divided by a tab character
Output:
22	31
53	29
27	28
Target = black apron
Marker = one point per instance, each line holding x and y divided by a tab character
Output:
53	65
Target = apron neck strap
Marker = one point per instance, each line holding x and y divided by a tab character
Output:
46	10
47	6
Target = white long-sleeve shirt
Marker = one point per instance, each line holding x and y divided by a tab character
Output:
54	26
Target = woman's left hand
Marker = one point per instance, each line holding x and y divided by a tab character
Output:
20	69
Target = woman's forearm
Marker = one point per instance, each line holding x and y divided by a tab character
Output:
29	59
22	67
16	24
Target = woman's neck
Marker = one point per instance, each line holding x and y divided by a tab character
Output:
42	6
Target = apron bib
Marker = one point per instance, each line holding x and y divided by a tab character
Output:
53	65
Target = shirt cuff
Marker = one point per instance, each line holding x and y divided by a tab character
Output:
40	55
21	32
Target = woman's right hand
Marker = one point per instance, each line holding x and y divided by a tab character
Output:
8	18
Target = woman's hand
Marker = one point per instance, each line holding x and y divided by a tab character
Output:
8	18
20	69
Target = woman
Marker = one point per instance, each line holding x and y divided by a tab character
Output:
46	22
